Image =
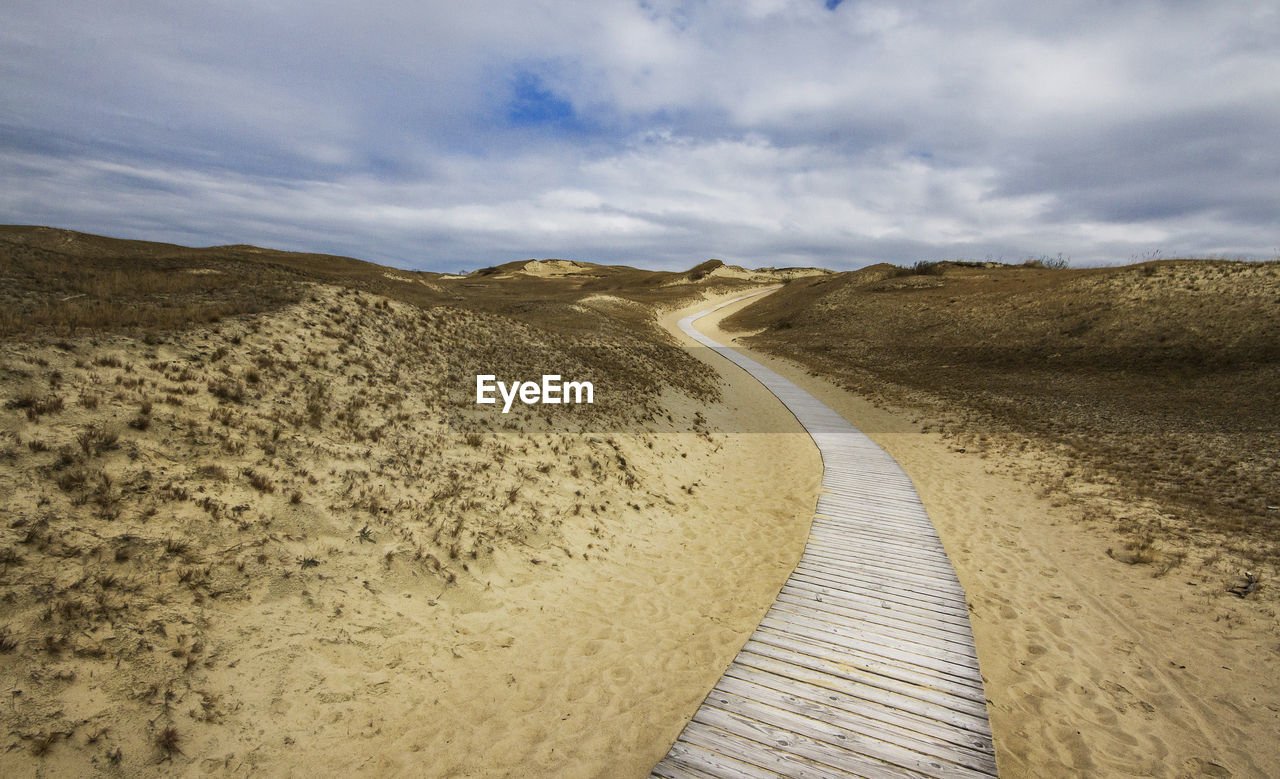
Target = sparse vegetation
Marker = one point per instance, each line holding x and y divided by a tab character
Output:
36	404
1155	382
168	740
211	471
227	389
260	482
96	439
318	433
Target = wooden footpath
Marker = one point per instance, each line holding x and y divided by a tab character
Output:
865	664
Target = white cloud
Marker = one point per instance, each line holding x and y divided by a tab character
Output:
761	132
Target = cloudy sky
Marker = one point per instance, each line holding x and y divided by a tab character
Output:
450	135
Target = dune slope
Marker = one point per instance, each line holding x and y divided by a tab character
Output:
282	538
1103	650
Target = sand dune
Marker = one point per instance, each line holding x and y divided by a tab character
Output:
554	267
1092	666
253	523
249	578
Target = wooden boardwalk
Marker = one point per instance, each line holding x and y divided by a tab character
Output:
865	663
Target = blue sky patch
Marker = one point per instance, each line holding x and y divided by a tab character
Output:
533	104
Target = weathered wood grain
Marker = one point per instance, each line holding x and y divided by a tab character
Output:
865	664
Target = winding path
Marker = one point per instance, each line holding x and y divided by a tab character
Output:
865	664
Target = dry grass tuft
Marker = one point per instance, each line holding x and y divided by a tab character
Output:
168	740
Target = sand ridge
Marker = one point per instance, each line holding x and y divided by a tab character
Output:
554	267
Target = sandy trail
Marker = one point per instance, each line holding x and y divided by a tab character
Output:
1091	666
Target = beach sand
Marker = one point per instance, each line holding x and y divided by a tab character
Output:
1092	667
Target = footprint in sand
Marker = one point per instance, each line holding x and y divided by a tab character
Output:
1201	767
619	676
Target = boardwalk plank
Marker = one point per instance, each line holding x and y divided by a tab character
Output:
881	631
865	664
891	720
853	598
894	575
844	550
836	760
833	726
839	550
856	583
867	541
902	624
691	760
866	675
769	757
920	654
961	713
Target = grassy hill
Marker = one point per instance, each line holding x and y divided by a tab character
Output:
1153	382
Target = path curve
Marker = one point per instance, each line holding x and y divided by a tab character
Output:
865	664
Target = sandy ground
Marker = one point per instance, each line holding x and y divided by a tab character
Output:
1092	667
578	653
594	669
